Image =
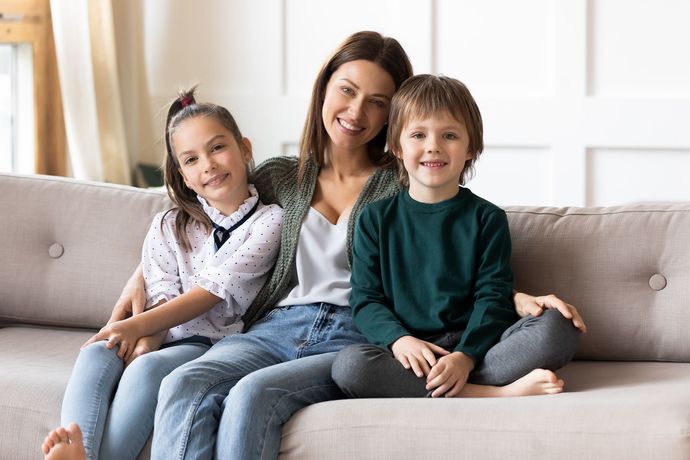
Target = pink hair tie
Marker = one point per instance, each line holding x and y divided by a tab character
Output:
186	100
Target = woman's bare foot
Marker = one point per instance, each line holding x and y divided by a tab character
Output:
64	444
537	382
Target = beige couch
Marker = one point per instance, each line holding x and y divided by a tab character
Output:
67	248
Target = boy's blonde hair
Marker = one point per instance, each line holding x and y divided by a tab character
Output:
423	96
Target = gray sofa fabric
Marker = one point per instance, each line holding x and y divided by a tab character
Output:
67	248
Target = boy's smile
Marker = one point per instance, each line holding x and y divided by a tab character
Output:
434	151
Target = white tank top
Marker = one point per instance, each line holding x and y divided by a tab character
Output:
322	274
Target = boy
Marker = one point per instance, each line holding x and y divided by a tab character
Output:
431	275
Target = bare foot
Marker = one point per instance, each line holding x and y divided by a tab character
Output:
537	382
64	444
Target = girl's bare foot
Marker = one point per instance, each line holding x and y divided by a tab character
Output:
64	444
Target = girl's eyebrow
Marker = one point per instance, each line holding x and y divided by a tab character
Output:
357	87
208	142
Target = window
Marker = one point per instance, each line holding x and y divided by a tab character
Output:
32	136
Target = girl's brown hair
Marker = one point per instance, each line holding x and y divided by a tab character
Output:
368	46
421	97
190	211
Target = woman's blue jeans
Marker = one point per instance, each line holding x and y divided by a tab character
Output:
113	405
232	401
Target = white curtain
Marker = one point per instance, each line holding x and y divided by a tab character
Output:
87	64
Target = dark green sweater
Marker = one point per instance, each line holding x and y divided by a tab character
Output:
422	269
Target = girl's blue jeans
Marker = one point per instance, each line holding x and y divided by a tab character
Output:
113	405
232	401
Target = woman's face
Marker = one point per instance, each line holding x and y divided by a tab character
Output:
356	105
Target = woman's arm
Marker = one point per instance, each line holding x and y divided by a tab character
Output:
132	299
526	304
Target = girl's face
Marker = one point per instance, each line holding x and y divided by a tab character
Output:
212	163
356	104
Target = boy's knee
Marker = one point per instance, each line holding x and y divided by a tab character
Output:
560	335
353	367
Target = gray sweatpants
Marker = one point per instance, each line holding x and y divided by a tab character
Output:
547	341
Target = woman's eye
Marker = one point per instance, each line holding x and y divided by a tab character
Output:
347	90
379	103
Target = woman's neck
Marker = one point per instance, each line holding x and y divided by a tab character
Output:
343	164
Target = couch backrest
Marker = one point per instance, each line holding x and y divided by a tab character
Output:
626	268
67	247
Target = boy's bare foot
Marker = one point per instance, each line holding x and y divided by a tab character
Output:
537	382
64	444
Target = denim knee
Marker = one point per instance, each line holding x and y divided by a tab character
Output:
353	368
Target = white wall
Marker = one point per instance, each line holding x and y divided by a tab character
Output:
584	102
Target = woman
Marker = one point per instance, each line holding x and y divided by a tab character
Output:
247	385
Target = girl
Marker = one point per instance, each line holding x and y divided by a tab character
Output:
204	262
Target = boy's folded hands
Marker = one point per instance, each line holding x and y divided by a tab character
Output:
446	373
416	354
449	375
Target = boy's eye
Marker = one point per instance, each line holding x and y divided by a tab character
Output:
450	136
417	136
217	147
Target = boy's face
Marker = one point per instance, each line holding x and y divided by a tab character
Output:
434	151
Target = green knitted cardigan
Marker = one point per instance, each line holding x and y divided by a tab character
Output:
276	181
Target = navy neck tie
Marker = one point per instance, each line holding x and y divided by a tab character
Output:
221	234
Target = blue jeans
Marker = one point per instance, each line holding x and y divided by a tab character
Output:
233	401
114	406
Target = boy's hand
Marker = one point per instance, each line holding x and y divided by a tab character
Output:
526	304
449	375
146	345
123	333
416	354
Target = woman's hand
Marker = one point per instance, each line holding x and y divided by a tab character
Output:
416	354
526	304
132	299
146	345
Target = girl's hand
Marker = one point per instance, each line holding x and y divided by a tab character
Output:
416	354
146	345
123	333
526	304
449	375
132	299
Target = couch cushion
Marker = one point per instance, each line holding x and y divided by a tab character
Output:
68	247
36	364
626	268
610	410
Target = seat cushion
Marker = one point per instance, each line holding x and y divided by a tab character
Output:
36	364
613	410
